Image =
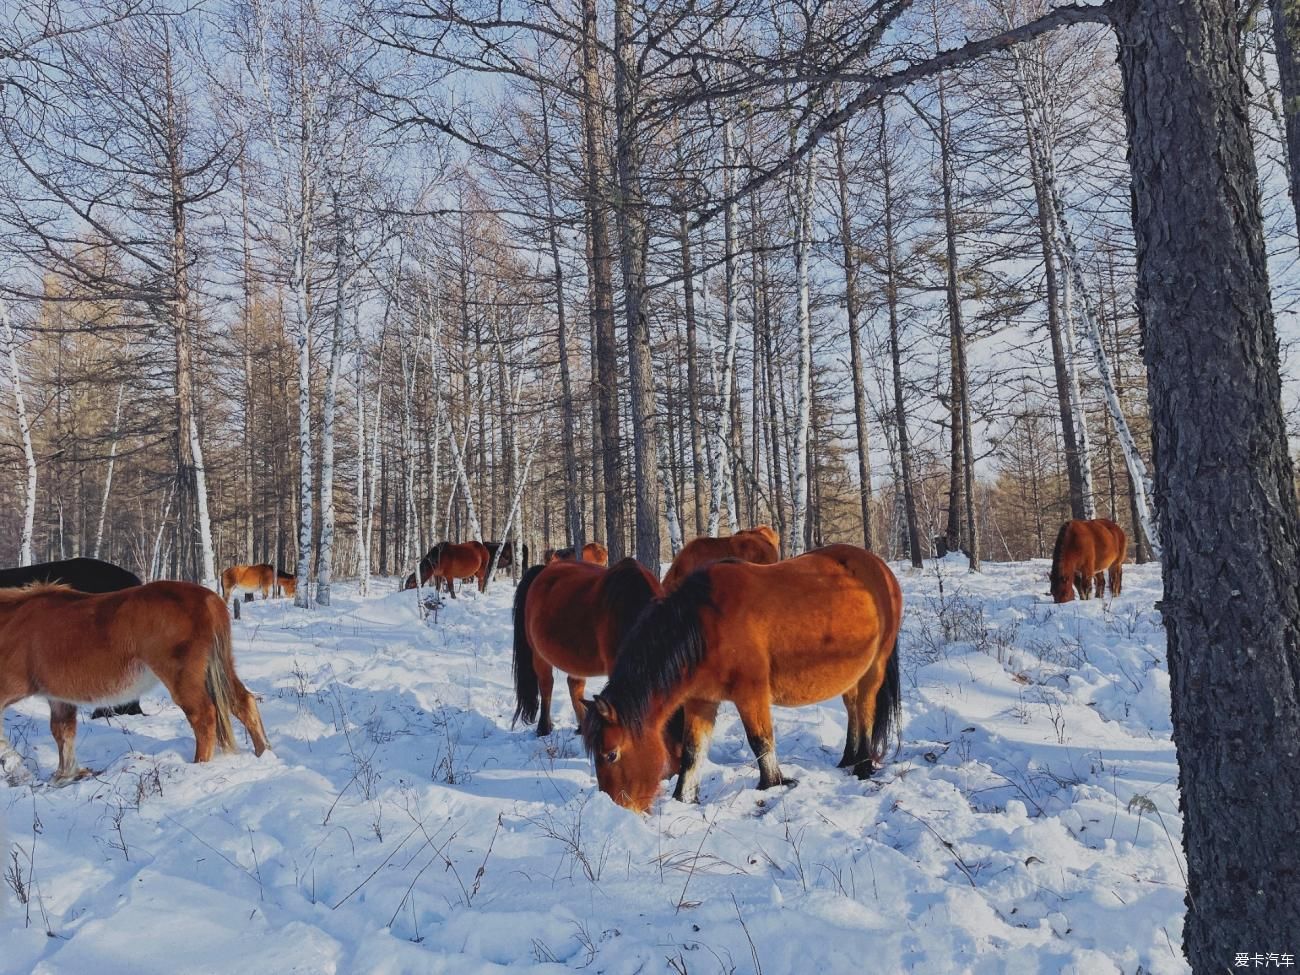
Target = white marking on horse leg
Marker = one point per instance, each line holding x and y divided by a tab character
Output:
688	780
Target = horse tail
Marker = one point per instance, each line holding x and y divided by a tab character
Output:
889	707
221	668
528	693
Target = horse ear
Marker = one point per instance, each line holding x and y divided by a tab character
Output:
605	709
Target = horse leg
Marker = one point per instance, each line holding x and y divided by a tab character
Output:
756	715
245	707
869	685
546	683
63	726
451	587
11	763
700	716
1116	579
853	737
578	687
187	684
1099	584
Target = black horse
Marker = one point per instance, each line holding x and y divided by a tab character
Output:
504	553
85	575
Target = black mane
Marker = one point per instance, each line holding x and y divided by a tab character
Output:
664	646
1056	552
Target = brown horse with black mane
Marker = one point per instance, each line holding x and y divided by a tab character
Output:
1084	551
759	545
74	648
794	633
592	552
572	615
251	579
448	561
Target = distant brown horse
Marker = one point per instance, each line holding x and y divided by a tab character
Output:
592	552
758	545
1084	551
571	615
794	633
240	579
448	561
73	648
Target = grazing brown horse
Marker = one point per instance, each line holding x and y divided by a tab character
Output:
448	561
1084	551
794	633
758	545
572	615
240	579
592	552
74	648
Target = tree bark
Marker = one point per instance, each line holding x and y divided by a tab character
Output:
915	550
24	431
1286	46
633	232
602	288
1224	481
850	265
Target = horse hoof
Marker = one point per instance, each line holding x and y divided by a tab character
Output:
865	770
82	773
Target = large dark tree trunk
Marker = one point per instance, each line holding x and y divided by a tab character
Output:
963	462
1286	42
915	551
633	231
1228	521
699	472
602	287
850	264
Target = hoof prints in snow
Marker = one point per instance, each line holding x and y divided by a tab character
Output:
1028	821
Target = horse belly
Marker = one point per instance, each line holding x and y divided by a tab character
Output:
815	673
86	691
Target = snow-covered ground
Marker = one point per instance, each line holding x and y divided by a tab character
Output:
1028	823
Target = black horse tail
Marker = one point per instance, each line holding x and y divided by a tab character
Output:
889	708
528	693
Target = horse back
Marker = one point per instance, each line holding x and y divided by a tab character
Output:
840	604
82	574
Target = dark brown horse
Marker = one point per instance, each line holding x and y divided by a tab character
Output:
504	554
592	552
74	648
448	561
1084	551
84	575
758	545
794	633
571	615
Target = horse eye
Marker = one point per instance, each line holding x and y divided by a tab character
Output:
611	757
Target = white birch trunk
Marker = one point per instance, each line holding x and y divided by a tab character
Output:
201	491
302	592
25	432
155	564
1083	443
476	530
1142	486
108	476
325	561
721	480
802	211
362	541
670	499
